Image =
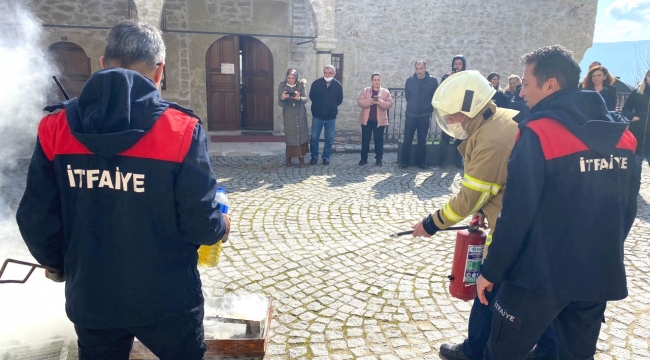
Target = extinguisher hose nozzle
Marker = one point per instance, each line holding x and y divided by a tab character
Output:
409	232
398	234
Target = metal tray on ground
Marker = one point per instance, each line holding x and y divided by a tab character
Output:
229	332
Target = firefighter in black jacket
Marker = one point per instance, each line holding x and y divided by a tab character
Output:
569	205
119	197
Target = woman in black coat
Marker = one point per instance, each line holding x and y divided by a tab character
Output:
637	110
499	98
600	80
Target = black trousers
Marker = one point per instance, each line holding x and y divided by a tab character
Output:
521	316
421	125
377	132
480	326
177	338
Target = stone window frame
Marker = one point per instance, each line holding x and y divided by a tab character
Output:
338	63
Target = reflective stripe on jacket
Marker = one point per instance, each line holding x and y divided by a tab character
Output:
486	153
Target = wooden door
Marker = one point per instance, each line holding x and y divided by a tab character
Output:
257	81
75	68
223	88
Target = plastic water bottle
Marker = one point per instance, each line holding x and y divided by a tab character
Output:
209	254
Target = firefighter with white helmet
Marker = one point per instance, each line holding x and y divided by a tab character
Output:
464	110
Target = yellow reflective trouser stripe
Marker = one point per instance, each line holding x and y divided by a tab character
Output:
479	185
489	240
450	214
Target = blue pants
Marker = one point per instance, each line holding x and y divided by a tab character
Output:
316	128
177	338
480	327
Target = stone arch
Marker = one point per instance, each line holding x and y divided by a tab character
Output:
324	16
314	18
133	10
149	11
74	65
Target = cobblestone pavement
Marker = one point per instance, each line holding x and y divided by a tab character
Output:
316	240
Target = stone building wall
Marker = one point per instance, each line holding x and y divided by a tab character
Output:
302	54
80	12
99	13
186	53
388	36
373	35
177	61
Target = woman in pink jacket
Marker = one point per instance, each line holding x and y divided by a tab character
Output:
374	102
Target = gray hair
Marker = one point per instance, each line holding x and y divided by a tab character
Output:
131	42
329	67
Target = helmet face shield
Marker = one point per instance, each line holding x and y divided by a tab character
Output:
447	124
441	118
465	92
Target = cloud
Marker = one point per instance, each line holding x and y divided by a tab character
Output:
630	10
625	30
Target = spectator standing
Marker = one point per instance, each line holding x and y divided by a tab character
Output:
637	110
419	90
374	102
326	94
292	98
458	64
499	97
601	81
514	81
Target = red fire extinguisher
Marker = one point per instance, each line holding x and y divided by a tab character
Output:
468	258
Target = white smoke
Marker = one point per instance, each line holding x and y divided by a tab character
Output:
25	79
32	312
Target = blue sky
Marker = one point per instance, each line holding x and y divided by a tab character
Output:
622	20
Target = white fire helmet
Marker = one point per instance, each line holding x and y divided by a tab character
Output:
464	92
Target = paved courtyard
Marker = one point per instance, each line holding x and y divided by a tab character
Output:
317	241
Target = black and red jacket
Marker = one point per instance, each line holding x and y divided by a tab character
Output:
570	201
119	196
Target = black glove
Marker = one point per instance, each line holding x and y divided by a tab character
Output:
429	226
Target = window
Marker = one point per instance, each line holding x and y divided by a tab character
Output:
163	81
337	62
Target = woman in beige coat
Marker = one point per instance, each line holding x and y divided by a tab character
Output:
292	98
374	102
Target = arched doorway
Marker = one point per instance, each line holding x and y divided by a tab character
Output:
75	67
239	80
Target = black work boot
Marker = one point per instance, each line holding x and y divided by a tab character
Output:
452	351
313	161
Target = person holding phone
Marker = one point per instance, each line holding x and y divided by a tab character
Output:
458	64
374	102
292	98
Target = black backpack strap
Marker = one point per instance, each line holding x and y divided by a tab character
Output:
59	106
